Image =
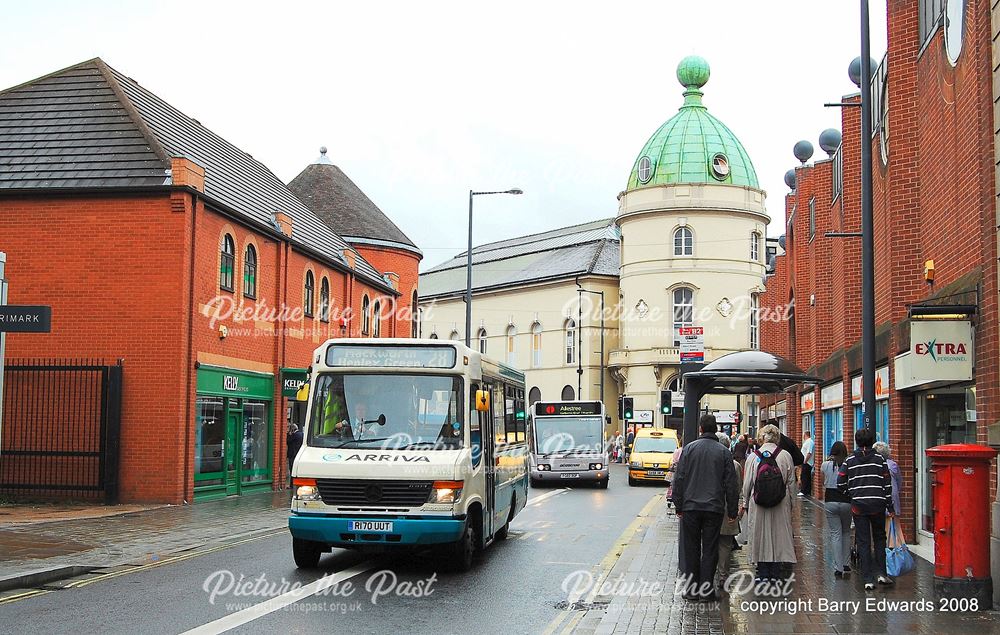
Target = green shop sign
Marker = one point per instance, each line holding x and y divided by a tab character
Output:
292	379
230	382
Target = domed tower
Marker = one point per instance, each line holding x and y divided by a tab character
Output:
693	226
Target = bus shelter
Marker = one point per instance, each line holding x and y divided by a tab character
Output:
741	373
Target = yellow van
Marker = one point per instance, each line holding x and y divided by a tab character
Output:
652	455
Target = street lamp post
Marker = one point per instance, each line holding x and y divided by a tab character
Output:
581	291
468	265
867	231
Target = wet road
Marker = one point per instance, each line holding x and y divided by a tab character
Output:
516	586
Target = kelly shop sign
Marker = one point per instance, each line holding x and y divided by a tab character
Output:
940	351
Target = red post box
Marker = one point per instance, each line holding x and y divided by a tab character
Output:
960	480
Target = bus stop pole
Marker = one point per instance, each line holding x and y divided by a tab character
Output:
3	336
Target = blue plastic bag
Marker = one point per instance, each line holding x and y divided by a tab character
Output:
898	559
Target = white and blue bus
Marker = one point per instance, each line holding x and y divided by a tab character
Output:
410	443
569	442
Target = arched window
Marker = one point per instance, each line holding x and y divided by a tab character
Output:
414	317
675	385
536	345
308	305
755	246
683	242
377	320
567	393
455	337
366	316
570	341
512	345
227	263
324	300
534	395
250	272
482	340
434	336
683	311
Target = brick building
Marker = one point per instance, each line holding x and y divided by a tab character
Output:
932	149
159	243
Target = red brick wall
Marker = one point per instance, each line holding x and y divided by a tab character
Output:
405	264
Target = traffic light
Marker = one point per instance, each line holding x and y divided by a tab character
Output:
627	409
666	403
621	407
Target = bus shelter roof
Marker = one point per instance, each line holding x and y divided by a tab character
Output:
748	372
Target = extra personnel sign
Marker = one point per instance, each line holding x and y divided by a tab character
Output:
25	319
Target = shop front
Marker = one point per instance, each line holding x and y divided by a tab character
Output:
807	405
937	373
234	417
831	402
881	403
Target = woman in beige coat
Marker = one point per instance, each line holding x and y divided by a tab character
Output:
770	530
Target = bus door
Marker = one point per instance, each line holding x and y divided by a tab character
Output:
489	458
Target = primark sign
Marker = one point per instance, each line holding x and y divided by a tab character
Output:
25	319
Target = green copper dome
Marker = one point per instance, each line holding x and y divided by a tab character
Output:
692	146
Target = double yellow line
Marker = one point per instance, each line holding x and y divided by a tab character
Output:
568	618
143	567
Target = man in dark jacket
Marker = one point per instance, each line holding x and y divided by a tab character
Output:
864	477
704	488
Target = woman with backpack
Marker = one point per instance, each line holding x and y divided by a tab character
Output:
838	510
768	492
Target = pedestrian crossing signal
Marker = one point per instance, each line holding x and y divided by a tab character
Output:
627	409
666	402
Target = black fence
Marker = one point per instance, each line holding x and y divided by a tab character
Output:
60	430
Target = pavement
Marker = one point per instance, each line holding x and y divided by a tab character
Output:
817	603
42	551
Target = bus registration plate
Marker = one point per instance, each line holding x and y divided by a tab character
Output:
370	525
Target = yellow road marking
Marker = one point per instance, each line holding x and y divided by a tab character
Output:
604	568
25	595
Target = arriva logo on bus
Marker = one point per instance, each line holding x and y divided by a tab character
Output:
377	458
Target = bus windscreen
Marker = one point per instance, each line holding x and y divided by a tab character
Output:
555	435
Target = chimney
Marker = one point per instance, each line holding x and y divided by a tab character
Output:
186	173
284	222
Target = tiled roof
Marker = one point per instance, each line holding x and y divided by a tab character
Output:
341	204
591	248
89	126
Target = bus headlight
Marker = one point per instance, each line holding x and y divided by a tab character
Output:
446	492
543	467
597	466
305	489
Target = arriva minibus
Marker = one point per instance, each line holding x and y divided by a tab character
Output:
410	443
569	442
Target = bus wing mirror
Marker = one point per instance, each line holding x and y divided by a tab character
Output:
302	394
482	400
381	419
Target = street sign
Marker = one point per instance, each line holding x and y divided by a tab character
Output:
644	416
25	319
692	339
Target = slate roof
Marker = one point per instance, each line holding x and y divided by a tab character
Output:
590	248
90	127
332	195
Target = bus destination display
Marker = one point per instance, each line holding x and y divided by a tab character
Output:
391	356
568	408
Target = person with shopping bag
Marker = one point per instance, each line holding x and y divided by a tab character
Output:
864	477
898	559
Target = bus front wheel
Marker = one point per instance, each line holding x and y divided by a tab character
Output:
306	553
461	552
602	484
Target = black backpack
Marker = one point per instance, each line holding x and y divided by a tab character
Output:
769	484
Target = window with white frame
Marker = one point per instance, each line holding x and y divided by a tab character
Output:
570	341
366	318
482	340
512	345
377	320
754	324
754	246
683	311
683	242
536	345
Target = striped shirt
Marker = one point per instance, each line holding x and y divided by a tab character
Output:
864	477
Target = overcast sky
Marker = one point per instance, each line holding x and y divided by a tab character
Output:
420	102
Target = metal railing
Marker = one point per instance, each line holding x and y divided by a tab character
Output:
60	435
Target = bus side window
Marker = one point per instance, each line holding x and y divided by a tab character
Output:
499	407
475	431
